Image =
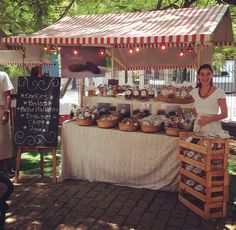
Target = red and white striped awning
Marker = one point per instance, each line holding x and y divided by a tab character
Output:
186	25
157	67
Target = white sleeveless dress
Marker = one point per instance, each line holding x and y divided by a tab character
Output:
208	107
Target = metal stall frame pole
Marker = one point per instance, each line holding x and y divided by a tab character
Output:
23	60
112	64
197	57
115	59
81	91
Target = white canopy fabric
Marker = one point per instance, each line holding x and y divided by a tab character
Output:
154	58
185	25
28	54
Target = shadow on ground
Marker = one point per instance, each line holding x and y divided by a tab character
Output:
77	204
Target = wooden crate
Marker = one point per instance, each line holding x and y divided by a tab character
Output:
208	195
209	179
214	178
206	147
205	143
205	210
207	165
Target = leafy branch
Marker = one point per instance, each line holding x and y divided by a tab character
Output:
66	10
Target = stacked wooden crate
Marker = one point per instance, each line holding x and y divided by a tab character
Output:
203	174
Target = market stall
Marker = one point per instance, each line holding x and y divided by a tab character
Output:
171	39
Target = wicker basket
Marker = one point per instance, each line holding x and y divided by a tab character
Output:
150	128
106	123
85	122
128	128
172	131
175	100
146	98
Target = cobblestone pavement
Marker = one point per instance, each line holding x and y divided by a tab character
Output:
75	204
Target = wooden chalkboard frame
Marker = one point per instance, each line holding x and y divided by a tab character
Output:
37	112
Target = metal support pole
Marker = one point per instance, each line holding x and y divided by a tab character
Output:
112	64
81	91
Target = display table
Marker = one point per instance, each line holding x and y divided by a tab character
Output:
155	105
128	158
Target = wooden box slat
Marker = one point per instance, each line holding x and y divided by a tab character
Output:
208	198
208	180
192	162
206	212
194	147
193	176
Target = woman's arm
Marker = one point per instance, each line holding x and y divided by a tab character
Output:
5	117
223	114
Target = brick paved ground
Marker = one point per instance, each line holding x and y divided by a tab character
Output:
74	204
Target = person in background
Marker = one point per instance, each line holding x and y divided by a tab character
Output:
5	140
210	105
36	71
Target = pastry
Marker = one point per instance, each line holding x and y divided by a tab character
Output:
92	67
77	67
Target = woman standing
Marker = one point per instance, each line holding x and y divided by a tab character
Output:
210	105
5	103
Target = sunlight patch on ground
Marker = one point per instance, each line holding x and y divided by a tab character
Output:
11	220
230	226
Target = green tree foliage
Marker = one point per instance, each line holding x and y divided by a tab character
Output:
27	16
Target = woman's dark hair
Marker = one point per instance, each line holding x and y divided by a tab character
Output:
204	66
34	71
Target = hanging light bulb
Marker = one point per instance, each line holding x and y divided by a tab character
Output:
75	52
131	51
137	49
45	48
190	49
163	46
181	53
101	53
58	48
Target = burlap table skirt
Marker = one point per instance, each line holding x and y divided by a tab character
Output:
127	158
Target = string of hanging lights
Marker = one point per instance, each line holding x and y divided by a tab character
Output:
56	50
132	50
182	52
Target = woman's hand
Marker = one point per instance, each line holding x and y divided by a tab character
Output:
5	118
202	121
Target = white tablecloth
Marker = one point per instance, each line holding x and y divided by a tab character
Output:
129	158
155	105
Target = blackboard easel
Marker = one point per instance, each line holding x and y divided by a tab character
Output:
41	150
36	123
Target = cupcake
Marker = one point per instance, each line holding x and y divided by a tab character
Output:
136	93
129	94
144	95
151	93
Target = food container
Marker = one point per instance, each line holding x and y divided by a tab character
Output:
85	122
172	131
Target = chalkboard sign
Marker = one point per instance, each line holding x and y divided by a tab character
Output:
37	112
103	107
124	109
